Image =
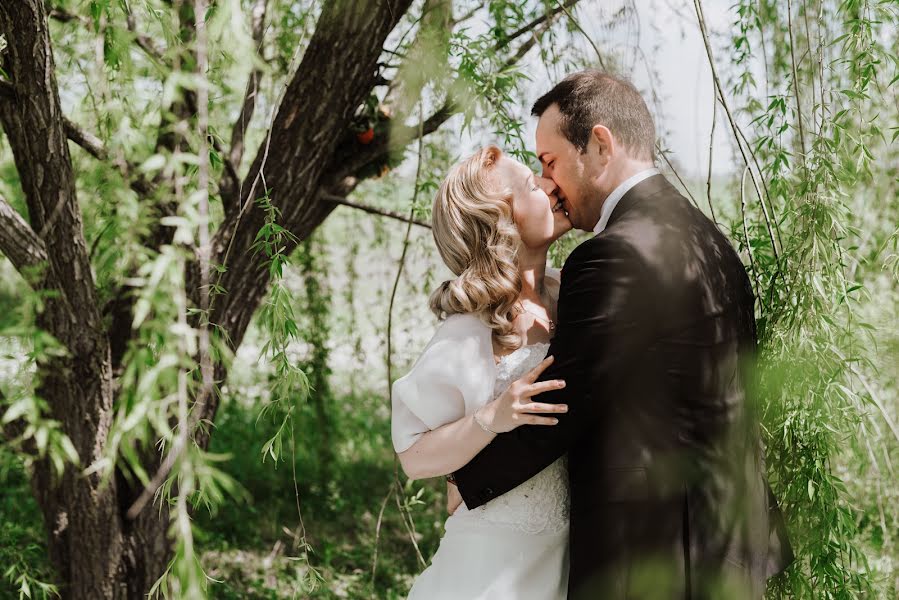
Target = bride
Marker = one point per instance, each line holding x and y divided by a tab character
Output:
494	221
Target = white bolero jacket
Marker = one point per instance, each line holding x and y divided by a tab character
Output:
453	377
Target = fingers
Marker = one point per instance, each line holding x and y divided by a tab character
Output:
534	373
539	407
532	420
543	386
453	497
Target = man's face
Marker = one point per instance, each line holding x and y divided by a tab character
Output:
576	174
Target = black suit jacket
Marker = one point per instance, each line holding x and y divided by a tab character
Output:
655	340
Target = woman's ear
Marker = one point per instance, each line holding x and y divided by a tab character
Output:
492	156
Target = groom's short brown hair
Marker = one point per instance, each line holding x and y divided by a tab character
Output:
592	97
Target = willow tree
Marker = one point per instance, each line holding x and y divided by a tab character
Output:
160	160
814	85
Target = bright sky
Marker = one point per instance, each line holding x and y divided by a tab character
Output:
661	36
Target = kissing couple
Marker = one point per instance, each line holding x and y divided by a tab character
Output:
596	424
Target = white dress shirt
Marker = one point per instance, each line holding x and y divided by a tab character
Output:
612	201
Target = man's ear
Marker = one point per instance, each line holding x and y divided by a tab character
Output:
605	142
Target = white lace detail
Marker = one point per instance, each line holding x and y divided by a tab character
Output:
540	504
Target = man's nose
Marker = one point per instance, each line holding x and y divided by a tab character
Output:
547	185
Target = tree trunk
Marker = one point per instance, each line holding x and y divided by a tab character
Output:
336	74
98	553
146	548
81	519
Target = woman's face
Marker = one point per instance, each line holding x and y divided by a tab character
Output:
536	210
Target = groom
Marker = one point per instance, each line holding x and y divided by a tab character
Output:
655	340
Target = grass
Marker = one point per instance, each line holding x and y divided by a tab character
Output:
22	539
248	546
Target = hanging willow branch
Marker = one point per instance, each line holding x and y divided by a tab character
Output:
708	181
708	49
407	519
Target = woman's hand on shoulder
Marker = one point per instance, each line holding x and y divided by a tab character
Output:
514	407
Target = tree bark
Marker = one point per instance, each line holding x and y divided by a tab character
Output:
319	103
18	241
327	89
85	543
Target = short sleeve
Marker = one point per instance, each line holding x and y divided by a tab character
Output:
453	376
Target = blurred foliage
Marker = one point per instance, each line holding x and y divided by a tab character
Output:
813	231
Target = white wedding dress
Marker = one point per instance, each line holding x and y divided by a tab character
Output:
514	547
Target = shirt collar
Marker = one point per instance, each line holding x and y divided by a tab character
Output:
612	201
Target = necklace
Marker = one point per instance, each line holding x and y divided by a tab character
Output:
550	322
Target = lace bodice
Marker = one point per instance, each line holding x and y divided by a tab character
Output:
540	504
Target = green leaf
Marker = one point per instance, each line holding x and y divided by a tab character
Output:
16	410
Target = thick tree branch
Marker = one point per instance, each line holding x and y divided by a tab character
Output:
467	15
64	16
400	136
87	140
352	157
372	210
291	162
174	120
18	241
525	47
529	27
145	42
94	146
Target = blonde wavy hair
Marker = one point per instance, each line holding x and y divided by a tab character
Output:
475	235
